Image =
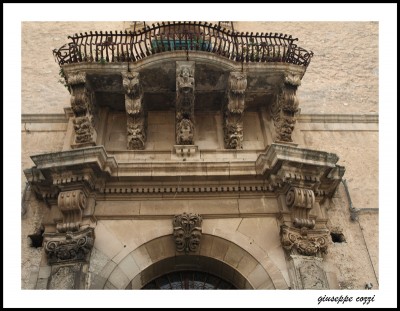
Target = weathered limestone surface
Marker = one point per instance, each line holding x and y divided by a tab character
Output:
339	79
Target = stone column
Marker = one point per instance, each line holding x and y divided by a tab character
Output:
285	108
185	87
233	114
82	104
136	116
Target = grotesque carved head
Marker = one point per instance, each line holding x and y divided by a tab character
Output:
179	236
185	132
136	136
194	241
233	136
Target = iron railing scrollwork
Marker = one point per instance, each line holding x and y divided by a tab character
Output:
130	46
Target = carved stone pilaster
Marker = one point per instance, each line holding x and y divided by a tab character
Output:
301	201
187	232
233	114
304	241
69	247
285	108
136	116
185	86
71	205
307	273
84	110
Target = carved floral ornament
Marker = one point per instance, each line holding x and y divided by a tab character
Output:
303	241
69	247
187	232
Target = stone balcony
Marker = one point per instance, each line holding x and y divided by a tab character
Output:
146	70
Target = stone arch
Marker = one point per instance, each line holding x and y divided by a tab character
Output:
231	256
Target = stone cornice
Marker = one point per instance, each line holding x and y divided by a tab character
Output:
303	118
279	166
78	157
276	154
283	166
338	118
44	118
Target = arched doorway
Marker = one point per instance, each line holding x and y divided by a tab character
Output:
188	280
191	272
231	257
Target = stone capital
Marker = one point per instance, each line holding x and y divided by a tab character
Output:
304	241
69	247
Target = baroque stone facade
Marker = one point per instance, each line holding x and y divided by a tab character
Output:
195	159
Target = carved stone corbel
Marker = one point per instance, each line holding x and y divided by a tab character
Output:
304	241
136	116
301	201
233	114
285	108
185	86
187	232
71	205
84	110
69	247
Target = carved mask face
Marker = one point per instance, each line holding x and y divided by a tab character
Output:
194	240
179	236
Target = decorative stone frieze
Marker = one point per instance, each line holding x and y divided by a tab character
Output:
82	104
185	87
69	247
285	108
301	201
187	232
304	241
233	114
71	205
136	115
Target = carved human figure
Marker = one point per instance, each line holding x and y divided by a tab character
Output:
185	80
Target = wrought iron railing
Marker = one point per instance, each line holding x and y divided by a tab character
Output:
129	46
